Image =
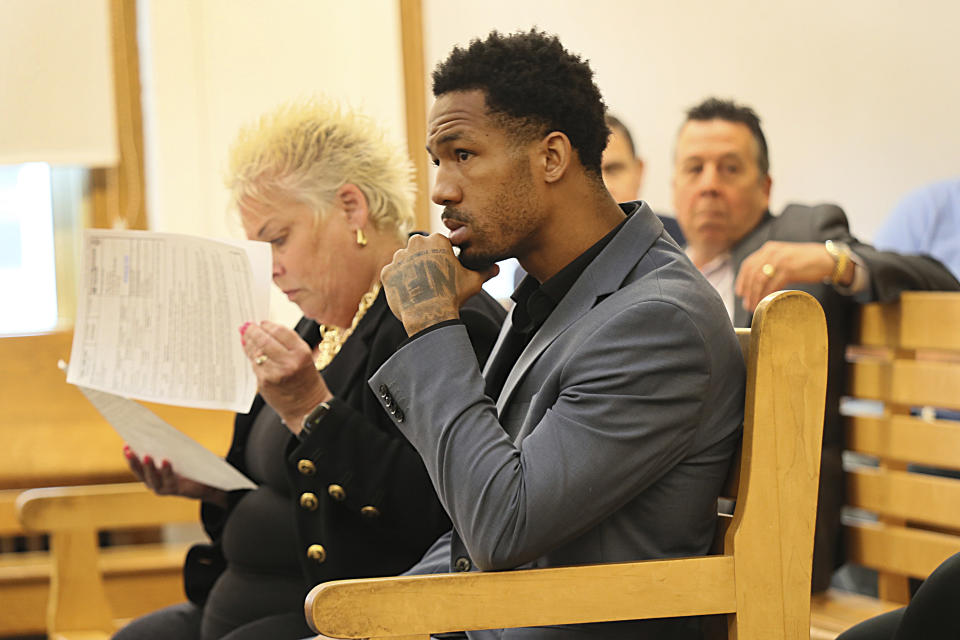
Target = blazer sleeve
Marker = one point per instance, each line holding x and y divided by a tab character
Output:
362	451
890	272
510	503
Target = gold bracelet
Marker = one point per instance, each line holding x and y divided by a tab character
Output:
840	252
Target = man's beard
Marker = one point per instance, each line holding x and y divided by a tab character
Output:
477	262
474	261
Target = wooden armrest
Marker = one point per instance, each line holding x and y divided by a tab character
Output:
108	506
9	525
494	600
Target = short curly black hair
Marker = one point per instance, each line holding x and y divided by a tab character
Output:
730	111
534	85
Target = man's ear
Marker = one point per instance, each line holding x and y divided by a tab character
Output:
765	183
354	205
556	153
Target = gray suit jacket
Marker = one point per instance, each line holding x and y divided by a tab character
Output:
890	273
611	437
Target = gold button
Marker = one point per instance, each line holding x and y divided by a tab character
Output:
308	501
337	493
306	468
317	552
462	564
369	512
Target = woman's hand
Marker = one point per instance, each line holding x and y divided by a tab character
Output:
164	481
286	375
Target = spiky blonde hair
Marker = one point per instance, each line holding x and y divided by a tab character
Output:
307	149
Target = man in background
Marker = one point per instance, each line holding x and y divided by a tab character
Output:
926	222
721	193
623	170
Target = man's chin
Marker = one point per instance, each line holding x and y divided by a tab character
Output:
476	262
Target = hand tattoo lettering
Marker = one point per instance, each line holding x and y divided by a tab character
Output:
421	282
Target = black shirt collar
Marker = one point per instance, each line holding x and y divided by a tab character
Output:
535	302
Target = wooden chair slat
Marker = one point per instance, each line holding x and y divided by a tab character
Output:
921	320
934	443
911	496
901	550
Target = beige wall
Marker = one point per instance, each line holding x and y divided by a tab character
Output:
859	98
210	66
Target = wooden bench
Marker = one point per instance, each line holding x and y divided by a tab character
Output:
51	435
907	357
761	581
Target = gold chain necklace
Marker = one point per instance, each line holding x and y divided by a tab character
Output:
332	338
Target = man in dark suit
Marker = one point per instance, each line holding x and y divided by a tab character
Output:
721	190
605	420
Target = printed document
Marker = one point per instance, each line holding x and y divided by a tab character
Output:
158	314
148	435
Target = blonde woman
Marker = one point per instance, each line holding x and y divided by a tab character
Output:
341	493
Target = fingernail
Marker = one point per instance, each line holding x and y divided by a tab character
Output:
244	327
147	460
165	464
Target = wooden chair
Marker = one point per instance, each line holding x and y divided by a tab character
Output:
907	357
761	581
51	436
81	606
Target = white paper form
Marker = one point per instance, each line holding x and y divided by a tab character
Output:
148	435
158	315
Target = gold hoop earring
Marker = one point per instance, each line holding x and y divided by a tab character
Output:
361	239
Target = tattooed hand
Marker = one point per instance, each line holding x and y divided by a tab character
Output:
425	284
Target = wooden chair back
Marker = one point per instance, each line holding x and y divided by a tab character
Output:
761	581
908	358
52	436
78	606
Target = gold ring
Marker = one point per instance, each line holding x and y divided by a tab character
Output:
768	270
260	359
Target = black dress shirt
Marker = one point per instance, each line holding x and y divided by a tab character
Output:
534	302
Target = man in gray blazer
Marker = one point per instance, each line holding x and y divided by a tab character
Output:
721	189
604	423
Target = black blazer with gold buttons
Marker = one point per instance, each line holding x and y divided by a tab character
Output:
361	497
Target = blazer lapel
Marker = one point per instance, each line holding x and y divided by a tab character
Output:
602	277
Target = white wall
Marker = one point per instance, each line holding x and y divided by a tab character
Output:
859	98
210	66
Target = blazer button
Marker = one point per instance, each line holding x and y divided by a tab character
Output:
337	493
462	564
398	415
306	468
317	553
369	512
384	392
308	501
